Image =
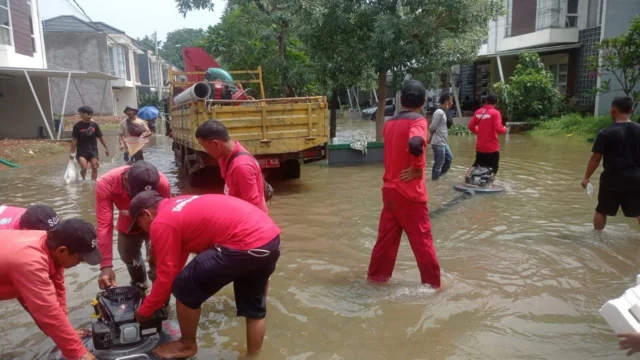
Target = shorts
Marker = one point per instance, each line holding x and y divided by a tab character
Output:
213	269
87	156
488	160
610	201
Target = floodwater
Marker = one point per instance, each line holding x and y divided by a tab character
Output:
524	274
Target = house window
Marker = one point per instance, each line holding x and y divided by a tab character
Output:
5	23
507	24
595	11
135	68
33	38
572	14
127	63
112	68
154	73
559	73
548	14
122	62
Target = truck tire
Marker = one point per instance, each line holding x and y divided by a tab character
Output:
291	170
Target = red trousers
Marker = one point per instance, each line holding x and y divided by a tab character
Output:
398	214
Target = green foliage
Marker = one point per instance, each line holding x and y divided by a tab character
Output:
246	38
459	130
185	6
530	93
148	42
149	99
572	124
171	49
620	57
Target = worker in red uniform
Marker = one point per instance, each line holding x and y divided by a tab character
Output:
117	187
32	267
35	217
487	124
404	194
235	242
239	169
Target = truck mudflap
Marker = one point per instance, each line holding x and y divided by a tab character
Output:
139	351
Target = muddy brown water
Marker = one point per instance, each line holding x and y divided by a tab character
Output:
524	274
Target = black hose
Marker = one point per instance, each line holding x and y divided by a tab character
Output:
451	203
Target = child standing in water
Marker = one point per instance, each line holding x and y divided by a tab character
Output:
85	134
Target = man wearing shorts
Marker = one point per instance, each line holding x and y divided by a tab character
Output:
236	242
486	123
132	127
619	146
85	134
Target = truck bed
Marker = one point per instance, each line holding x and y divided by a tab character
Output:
271	126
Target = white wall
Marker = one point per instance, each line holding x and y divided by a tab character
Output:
124	97
20	114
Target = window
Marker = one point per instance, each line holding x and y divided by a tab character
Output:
5	23
548	14
559	73
135	68
154	73
33	38
507	24
122	62
595	12
127	63
112	68
572	14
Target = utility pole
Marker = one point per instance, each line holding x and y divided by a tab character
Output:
159	77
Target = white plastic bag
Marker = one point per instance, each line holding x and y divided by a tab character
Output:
590	190
72	173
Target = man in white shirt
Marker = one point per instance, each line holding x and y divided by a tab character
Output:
442	156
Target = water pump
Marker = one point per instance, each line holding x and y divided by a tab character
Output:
114	321
480	176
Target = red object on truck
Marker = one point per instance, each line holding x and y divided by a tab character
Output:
196	59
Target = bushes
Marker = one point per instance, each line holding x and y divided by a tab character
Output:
572	124
459	130
530	93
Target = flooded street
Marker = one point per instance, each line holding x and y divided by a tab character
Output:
524	275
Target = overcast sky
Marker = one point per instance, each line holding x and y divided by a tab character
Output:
137	18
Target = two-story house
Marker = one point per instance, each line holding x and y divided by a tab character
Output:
563	32
153	71
93	46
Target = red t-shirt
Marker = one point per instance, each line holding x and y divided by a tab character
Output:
195	223
10	217
243	178
487	123
110	192
405	135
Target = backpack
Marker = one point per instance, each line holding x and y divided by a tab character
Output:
268	189
134	129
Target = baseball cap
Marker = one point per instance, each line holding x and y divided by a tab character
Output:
142	176
143	200
412	93
39	217
78	236
130	107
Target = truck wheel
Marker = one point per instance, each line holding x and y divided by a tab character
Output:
291	170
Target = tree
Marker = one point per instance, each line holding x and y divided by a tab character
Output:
171	49
280	15
148	42
337	45
620	57
530	93
406	35
244	39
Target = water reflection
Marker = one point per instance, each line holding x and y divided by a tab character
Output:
525	275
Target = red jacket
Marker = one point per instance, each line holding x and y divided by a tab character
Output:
195	223
244	178
10	217
487	124
405	143
27	273
109	192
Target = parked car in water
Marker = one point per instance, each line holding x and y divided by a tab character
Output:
389	109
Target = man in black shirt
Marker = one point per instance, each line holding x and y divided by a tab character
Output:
85	134
619	146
